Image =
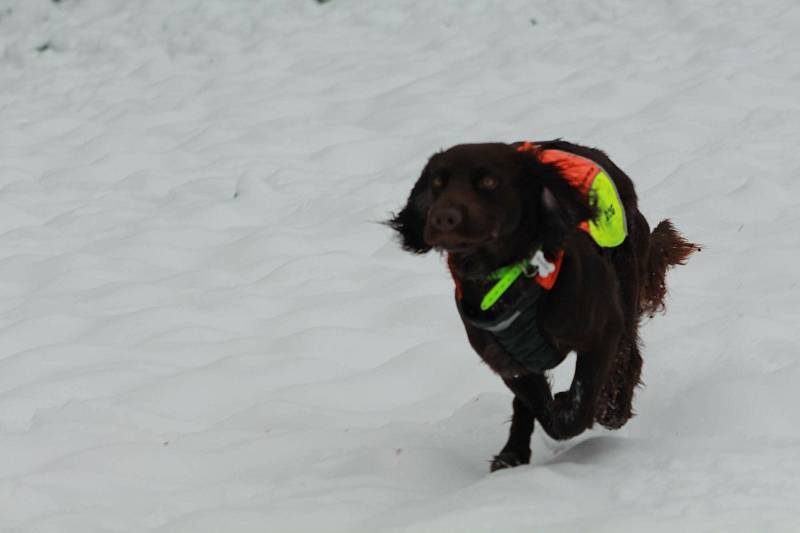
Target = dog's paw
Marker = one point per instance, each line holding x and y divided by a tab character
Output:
509	459
565	402
567	408
569	416
614	415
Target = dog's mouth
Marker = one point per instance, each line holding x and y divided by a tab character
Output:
477	258
463	247
461	244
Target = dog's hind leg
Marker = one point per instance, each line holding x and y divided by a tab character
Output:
615	407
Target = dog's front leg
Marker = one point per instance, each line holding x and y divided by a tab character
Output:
532	397
573	411
517	450
583	313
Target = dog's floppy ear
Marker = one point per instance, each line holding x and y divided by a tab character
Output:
559	206
409	223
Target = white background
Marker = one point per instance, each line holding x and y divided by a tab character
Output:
204	329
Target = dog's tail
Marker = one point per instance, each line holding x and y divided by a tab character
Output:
667	249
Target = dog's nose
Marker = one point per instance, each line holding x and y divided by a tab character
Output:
446	219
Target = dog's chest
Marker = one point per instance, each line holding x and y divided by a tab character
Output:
513	323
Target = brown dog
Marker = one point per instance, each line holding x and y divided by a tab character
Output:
490	206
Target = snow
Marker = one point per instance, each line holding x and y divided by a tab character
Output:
204	329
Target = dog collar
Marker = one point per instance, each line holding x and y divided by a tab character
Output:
537	266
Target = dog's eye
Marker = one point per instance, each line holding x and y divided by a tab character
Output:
488	183
437	182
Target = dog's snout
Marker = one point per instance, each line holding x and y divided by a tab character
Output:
446	219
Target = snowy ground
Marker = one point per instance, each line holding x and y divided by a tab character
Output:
204	329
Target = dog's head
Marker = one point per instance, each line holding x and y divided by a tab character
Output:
488	205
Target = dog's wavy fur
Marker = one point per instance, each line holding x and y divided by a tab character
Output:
598	301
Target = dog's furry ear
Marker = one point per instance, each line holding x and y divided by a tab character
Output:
559	206
409	223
